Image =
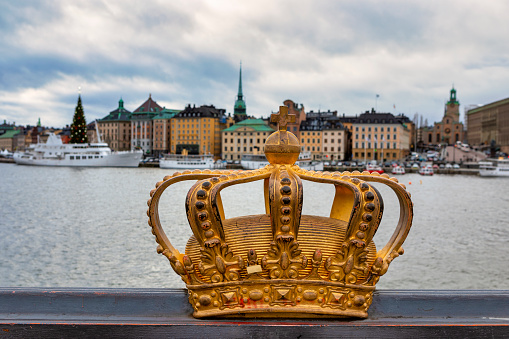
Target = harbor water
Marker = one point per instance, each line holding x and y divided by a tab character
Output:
87	227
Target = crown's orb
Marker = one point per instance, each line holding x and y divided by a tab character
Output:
282	148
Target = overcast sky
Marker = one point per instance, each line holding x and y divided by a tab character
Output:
333	55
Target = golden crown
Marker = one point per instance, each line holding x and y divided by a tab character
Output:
282	263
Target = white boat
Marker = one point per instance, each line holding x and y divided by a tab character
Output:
5	154
55	153
178	161
426	170
255	161
373	167
398	170
494	168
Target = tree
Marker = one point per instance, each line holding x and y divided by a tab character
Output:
79	125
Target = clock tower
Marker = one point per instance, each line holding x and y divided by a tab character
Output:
452	108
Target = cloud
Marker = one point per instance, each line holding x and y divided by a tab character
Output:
328	55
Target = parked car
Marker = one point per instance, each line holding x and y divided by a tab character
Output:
448	166
415	165
456	166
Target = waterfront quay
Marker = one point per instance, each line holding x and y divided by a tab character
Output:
387	169
462	171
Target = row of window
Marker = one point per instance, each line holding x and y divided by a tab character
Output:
376	144
331	149
245	140
373	137
189	137
244	149
83	157
332	141
376	129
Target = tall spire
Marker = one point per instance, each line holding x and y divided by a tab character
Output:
239	109
239	94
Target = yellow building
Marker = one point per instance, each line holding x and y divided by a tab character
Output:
379	136
198	130
245	137
311	141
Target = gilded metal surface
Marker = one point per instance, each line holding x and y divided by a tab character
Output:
289	265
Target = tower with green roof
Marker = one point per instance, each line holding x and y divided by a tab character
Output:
239	109
452	108
115	128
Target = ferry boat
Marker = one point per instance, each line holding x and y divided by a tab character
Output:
255	161
178	161
494	168
398	170
55	153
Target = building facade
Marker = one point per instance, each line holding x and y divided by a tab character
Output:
447	131
379	136
324	136
245	137
162	131
7	140
300	116
115	128
198	130
142	125
488	126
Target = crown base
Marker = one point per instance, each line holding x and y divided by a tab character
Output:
278	298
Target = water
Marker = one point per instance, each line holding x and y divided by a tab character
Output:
87	227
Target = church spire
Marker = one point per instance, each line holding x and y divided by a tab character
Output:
239	109
239	94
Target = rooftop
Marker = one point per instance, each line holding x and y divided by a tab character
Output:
258	125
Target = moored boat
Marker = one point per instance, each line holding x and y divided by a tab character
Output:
255	161
178	161
398	170
426	170
494	168
55	153
373	167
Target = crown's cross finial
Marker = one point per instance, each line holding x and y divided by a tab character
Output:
282	118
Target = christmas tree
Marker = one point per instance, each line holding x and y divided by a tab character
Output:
79	125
